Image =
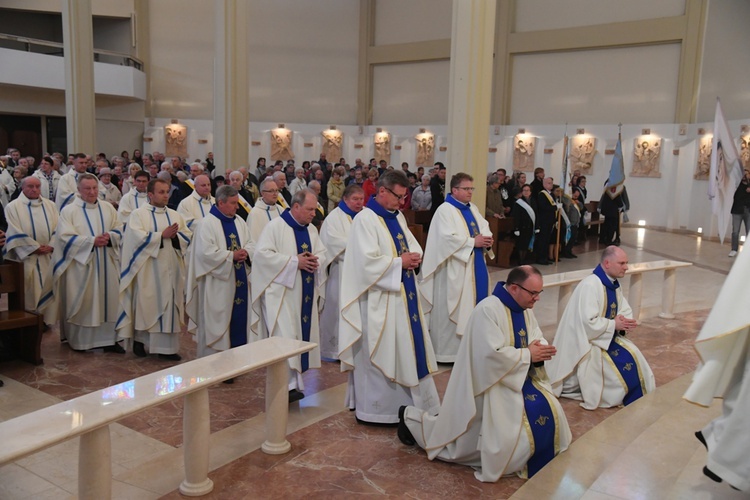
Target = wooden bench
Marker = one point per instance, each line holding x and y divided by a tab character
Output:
24	329
593	227
89	416
568	281
503	246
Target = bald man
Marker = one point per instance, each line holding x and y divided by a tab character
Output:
196	206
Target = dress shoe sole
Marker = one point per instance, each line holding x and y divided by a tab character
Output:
403	432
295	395
170	357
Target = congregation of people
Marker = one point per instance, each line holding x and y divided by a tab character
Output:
128	252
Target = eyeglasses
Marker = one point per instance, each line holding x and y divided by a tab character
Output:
400	197
270	191
533	294
469	189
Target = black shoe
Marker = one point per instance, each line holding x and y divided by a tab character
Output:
403	432
115	348
228	381
139	349
711	475
699	435
616	242
295	395
2	383
170	357
544	262
567	256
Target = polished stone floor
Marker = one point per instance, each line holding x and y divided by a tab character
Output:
649	453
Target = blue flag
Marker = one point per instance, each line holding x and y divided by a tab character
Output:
616	171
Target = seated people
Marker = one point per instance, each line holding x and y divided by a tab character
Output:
595	362
498	414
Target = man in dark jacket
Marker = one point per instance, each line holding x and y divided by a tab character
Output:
740	211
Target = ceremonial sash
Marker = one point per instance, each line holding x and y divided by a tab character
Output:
621	357
549	198
281	201
238	323
243	203
532	215
539	412
409	284
348	211
302	238
320	209
481	274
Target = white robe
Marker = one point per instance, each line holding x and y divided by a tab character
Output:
45	183
132	200
7	185
448	284
260	216
152	280
482	421
211	285
277	290
194	208
87	277
67	188
334	233
111	193
32	223
297	184
582	369
723	345
375	338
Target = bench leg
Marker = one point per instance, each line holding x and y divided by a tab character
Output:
635	294
95	465
196	432
564	293
667	294
277	409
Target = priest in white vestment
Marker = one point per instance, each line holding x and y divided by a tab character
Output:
265	210
32	220
499	414
197	205
334	233
595	362
67	187
383	336
135	198
723	346
152	276
7	184
286	281
454	272
218	293
86	269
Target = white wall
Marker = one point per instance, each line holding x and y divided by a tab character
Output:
397	21
411	93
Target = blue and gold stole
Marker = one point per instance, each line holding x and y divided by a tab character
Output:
348	211
408	281
302	238
539	412
481	275
238	323
621	357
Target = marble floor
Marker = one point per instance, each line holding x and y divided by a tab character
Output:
653	453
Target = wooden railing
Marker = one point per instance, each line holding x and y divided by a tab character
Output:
89	416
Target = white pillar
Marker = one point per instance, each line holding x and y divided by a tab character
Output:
95	465
667	294
231	146
196	434
277	409
635	294
78	42
469	101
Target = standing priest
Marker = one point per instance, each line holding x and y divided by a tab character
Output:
383	336
455	276
218	275
152	279
197	205
285	283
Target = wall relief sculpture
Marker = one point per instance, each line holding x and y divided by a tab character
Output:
745	151
176	140
332	142
281	144
581	155
704	159
383	147
425	149
646	156
524	153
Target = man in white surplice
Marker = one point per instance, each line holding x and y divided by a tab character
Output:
218	295
135	198
454	273
49	178
383	337
152	276
196	206
67	186
334	233
286	281
265	210
32	220
86	269
596	363
723	345
498	414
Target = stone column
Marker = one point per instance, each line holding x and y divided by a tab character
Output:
80	110
231	142
469	106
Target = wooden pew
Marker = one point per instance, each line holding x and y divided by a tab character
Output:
503	246
23	328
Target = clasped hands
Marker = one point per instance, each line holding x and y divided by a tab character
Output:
541	352
481	241
102	240
307	262
170	232
410	260
623	323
